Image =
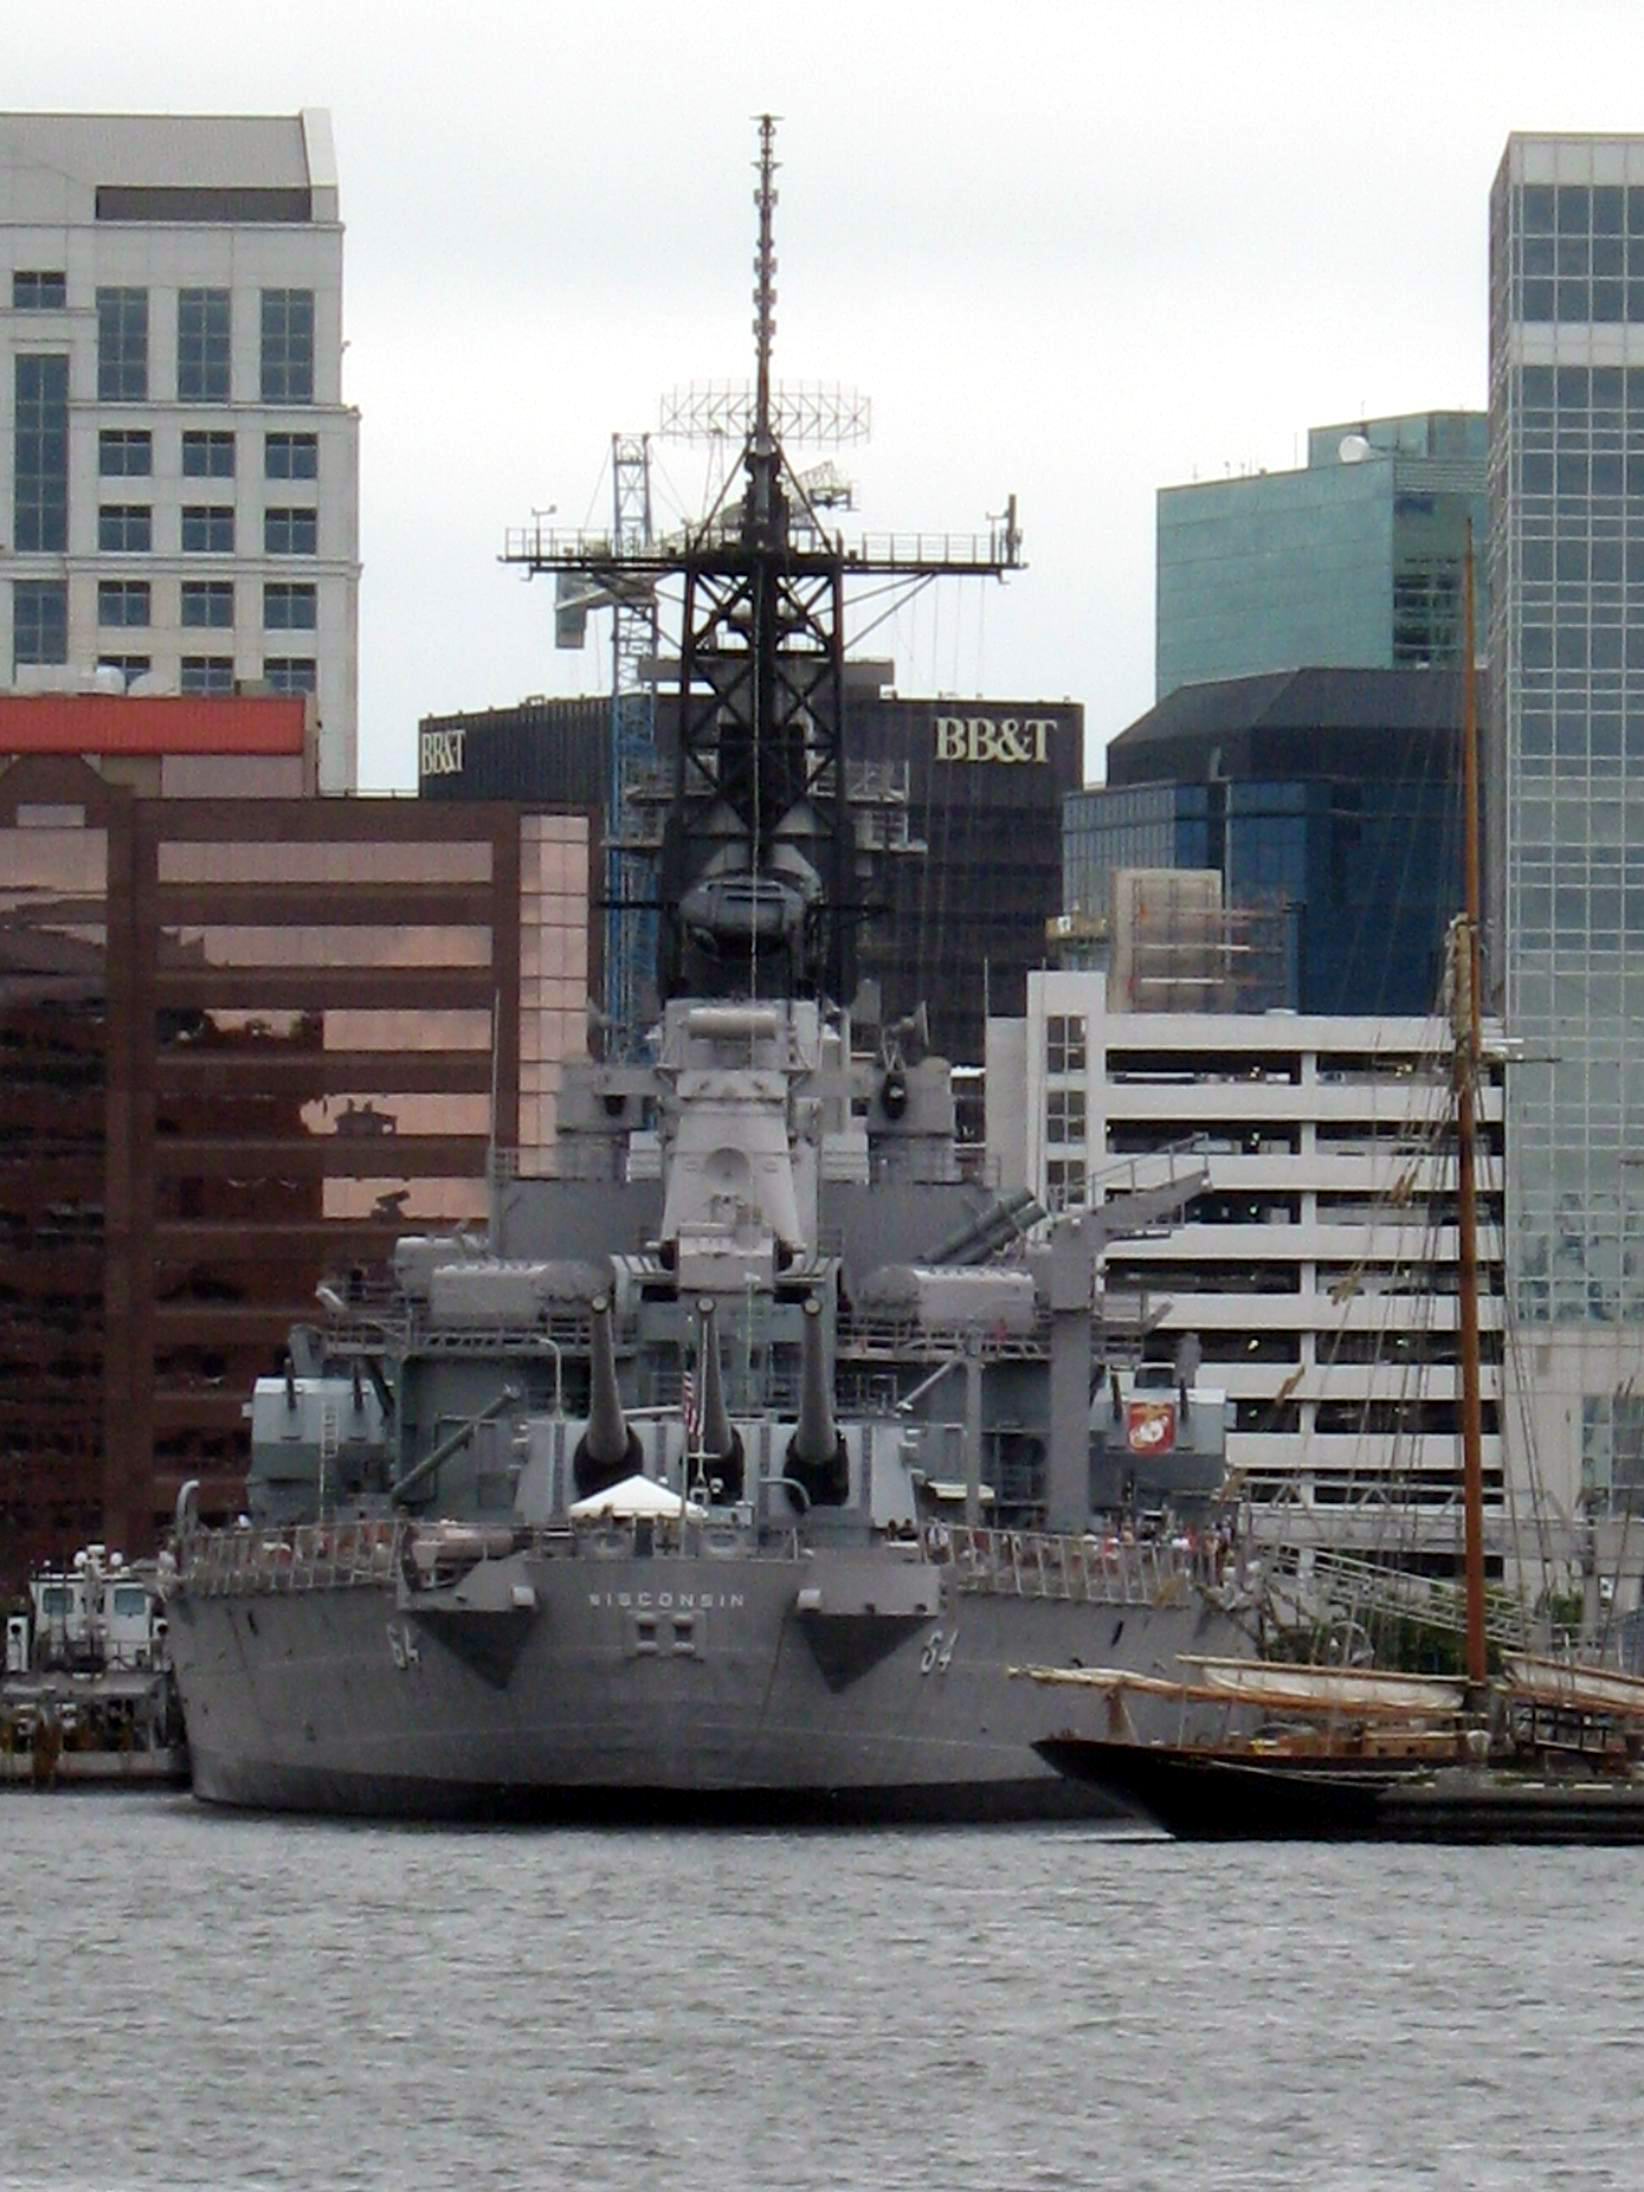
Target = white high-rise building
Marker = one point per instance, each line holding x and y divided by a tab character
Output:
179	474
1316	1268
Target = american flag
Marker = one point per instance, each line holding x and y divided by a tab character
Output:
691	1408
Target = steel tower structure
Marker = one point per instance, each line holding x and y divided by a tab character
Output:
757	879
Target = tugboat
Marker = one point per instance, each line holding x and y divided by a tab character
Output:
732	1472
87	1696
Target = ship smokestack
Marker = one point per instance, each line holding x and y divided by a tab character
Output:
721	1445
816	1453
608	1450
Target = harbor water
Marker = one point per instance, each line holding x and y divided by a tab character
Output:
205	1999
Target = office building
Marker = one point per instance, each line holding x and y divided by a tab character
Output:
972	786
1353	561
250	1037
179	473
1326	801
1316	1265
1567	761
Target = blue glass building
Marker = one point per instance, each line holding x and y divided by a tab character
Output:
1328	796
1353	562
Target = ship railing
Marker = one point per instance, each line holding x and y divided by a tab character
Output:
312	1556
910	1336
1114	1570
349	1555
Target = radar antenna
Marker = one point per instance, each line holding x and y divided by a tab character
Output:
757	869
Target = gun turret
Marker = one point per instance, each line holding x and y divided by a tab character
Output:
721	1445
608	1450
816	1459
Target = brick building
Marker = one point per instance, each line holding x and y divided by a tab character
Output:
247	1037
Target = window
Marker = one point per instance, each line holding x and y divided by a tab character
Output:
39	620
202	345
122	601
1065	1042
125	453
122	345
207	674
130	667
1064	1184
208	456
291	673
125	528
291	456
290	532
288	346
38	292
209	602
208	529
1065	1115
40	480
288	608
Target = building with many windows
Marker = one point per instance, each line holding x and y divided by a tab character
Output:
1326	801
248	1037
1567	761
1354	561
1316	1266
179	496
971	788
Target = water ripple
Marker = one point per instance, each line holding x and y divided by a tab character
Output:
197	1999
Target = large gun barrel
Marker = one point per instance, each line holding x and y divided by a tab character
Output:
720	1456
608	1449
816	1453
717	1435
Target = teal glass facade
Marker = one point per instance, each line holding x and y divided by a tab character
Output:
1354	562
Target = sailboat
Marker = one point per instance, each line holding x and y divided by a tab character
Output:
1546	1750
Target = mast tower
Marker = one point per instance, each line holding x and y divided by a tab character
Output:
757	880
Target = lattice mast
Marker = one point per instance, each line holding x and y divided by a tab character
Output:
757	885
630	912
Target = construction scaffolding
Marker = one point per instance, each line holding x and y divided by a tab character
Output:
1175	946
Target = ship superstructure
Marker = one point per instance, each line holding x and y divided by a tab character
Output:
737	1465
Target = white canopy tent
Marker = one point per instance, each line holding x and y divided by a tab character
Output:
636	1495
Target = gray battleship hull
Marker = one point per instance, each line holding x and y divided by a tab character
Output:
659	1687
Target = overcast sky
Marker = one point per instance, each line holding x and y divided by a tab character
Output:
1074	249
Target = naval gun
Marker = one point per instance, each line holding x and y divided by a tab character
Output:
718	1459
817	1460
608	1450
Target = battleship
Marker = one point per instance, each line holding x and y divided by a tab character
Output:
731	1472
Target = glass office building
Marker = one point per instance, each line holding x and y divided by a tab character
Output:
1353	562
1567	753
1326	796
1567	498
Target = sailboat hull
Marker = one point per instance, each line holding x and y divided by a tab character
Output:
1204	1795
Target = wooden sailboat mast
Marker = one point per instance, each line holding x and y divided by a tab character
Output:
1465	982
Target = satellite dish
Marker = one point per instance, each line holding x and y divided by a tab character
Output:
1353	448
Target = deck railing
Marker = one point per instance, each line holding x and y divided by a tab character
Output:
1105	1571
349	1555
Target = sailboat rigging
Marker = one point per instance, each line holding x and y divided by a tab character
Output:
1548	1751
